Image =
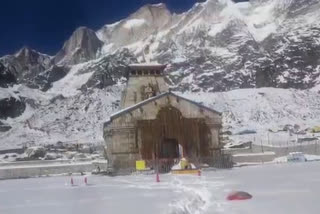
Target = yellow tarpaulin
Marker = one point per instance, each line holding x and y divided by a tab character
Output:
184	163
316	129
140	165
185	171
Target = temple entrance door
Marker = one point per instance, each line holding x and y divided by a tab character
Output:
169	149
160	137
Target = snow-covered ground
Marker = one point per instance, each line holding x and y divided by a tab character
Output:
280	189
264	109
75	119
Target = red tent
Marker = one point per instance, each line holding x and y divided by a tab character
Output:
239	195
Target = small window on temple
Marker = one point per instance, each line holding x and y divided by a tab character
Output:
133	73
158	72
139	72
145	72
152	72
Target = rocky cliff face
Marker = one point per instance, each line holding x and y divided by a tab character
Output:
25	65
219	45
45	79
82	46
109	70
146	21
11	107
294	48
7	77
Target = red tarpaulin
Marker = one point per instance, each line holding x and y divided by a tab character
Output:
239	195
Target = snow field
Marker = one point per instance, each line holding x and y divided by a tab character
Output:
281	189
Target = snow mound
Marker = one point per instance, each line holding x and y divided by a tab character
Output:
69	85
134	23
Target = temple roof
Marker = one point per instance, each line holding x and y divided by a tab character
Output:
153	66
138	105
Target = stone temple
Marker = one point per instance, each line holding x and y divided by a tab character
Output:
154	123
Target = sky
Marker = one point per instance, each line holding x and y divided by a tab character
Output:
45	25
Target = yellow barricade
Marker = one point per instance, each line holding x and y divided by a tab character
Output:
140	165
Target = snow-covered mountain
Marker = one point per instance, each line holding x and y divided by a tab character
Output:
216	46
219	45
25	65
81	47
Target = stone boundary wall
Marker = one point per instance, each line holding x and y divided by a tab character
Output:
311	149
28	171
6	151
42	162
254	157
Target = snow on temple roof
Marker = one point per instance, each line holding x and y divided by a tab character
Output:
136	106
147	66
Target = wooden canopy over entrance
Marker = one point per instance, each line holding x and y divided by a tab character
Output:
161	137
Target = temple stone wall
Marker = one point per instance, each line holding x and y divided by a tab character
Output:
140	88
124	140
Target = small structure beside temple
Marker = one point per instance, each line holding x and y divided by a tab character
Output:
154	123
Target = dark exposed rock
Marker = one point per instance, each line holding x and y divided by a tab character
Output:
288	127
31	102
35	153
45	79
226	133
109	70
25	65
58	97
7	77
60	145
11	107
296	65
82	46
4	128
241	145
204	69
245	132
307	139
31	68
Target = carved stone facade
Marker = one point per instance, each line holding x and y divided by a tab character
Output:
158	123
144	81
